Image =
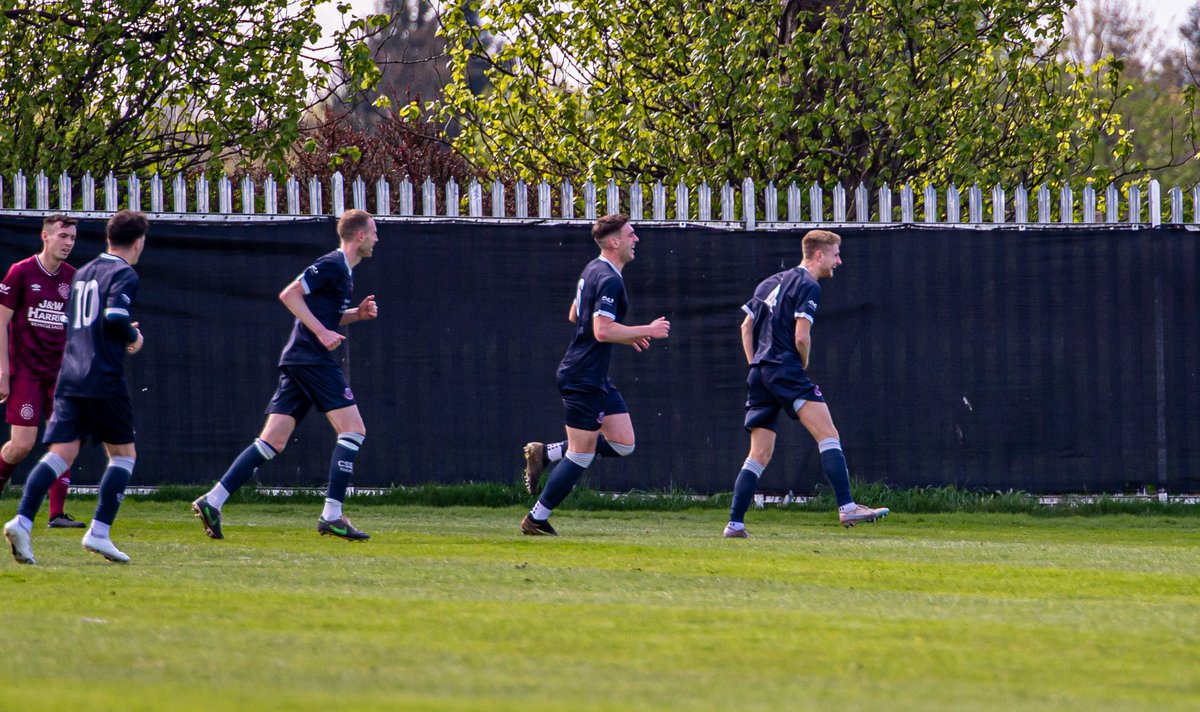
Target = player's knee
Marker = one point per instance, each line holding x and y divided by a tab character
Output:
277	445
351	440
16	451
125	462
622	449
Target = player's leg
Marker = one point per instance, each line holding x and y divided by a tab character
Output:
66	428
121	459
581	451
20	443
19	529
762	447
22	411
267	445
43	402
351	432
815	417
616	440
111	419
287	407
762	413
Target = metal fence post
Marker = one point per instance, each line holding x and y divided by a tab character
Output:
816	203
795	204
770	203
704	201
682	202
521	191
839	203
931	204
749	209
498	199
452	197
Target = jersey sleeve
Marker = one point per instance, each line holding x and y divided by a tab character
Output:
10	288
121	294
317	276
807	299
610	297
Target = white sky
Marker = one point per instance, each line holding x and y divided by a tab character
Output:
1169	13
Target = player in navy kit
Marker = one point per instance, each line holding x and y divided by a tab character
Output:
311	375
596	412
776	337
91	398
33	332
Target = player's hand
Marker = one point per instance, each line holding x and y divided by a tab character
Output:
4	387
368	309
331	339
641	344
660	328
135	346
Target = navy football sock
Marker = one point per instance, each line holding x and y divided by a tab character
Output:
743	490
563	478
833	462
112	489
245	464
38	484
341	466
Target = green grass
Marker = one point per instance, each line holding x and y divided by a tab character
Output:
451	609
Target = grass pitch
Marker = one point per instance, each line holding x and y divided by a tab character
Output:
452	609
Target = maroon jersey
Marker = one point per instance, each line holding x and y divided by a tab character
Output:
37	333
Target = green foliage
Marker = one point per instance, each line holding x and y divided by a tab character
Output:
137	84
872	91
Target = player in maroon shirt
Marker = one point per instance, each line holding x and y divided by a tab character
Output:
33	318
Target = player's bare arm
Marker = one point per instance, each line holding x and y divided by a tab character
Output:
803	340
6	316
608	331
748	338
571	314
365	311
292	297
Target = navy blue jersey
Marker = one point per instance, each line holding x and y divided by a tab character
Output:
795	296
757	308
94	361
601	292
327	286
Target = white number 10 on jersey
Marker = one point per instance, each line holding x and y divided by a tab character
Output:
87	303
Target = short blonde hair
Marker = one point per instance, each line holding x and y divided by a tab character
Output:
822	240
351	222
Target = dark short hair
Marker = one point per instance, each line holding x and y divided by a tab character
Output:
607	225
819	240
58	219
125	228
351	222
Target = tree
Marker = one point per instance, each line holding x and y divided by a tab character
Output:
841	90
1156	106
167	85
412	60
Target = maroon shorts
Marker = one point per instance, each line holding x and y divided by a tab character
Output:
30	400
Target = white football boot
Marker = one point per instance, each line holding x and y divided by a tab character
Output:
104	547
18	541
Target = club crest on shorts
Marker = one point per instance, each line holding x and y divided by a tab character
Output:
600	418
348	395
27	411
817	390
64	290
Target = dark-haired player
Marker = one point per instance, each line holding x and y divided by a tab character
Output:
596	412
33	332
776	336
91	398
310	376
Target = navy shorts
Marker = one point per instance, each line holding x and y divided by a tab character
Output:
107	420
588	405
302	387
771	388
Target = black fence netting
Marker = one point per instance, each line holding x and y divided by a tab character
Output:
1048	360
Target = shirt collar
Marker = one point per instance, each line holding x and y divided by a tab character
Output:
610	264
346	260
111	256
